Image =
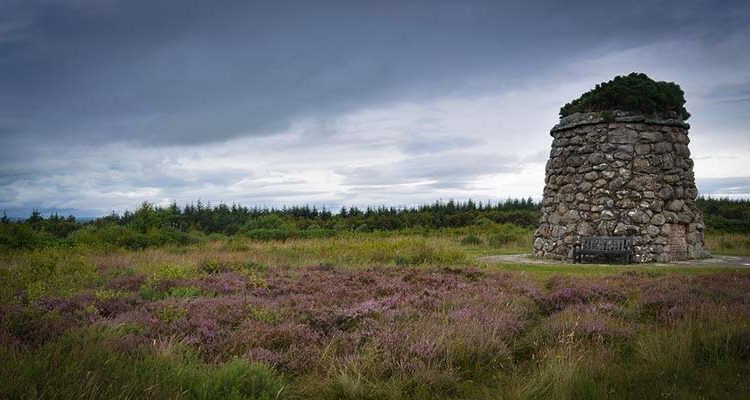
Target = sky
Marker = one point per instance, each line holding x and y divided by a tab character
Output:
106	104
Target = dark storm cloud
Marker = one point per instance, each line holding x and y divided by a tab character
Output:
185	72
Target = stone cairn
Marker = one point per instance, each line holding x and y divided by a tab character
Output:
621	174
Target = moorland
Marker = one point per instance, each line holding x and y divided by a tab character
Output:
229	302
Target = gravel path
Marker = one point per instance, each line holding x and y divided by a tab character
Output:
714	261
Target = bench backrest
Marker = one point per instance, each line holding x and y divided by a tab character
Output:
606	243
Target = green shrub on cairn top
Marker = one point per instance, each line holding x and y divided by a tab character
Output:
636	93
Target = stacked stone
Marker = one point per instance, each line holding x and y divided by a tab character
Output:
621	174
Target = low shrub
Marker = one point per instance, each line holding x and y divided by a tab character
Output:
51	273
152	292
268	234
471	240
318	233
635	92
215	266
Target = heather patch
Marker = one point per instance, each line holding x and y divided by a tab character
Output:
596	323
667	298
567	290
420	330
126	283
731	288
218	265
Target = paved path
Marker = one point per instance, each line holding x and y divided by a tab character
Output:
714	261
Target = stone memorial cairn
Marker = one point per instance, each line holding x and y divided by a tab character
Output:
616	173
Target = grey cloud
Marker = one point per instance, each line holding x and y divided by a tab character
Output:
426	144
447	184
10	176
197	71
537	157
725	186
454	167
24	212
7	194
274	195
726	93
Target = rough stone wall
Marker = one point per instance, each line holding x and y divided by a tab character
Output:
628	175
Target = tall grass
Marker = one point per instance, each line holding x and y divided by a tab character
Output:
733	244
84	364
351	251
698	358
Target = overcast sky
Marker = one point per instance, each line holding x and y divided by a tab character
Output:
106	104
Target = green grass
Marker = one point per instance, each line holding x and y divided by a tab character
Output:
83	365
548	270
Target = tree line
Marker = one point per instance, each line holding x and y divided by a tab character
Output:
153	225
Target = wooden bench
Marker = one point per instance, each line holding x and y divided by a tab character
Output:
606	245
